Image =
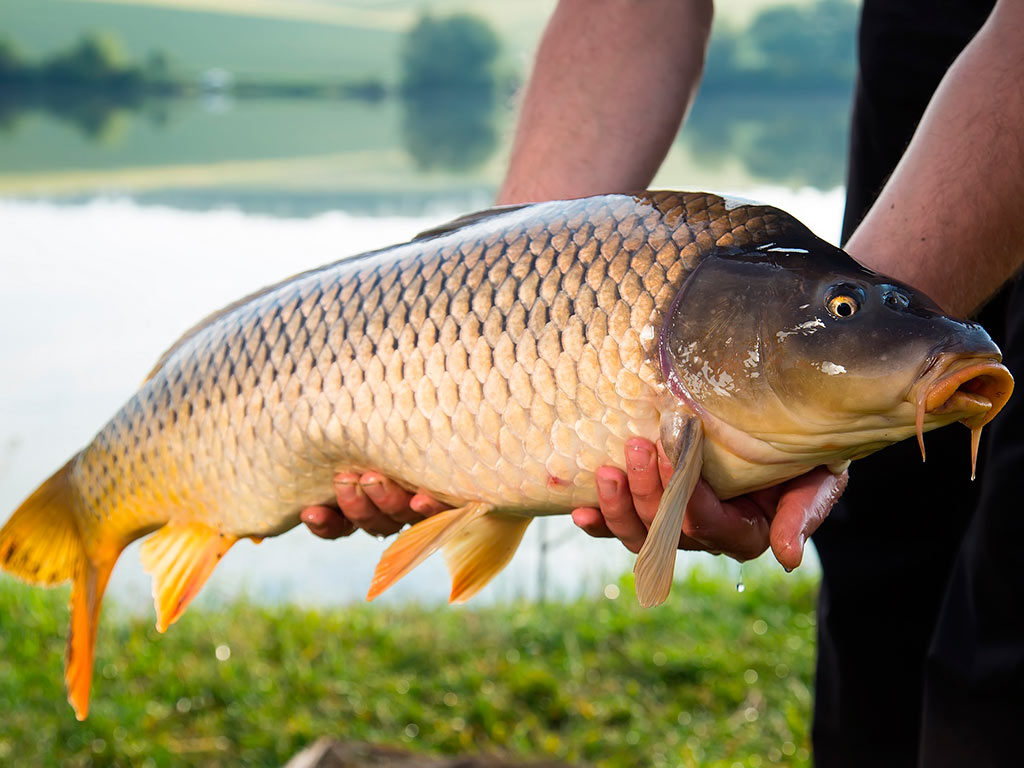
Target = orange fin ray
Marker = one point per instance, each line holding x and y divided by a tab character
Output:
181	557
417	543
480	550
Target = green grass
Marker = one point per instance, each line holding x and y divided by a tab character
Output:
712	678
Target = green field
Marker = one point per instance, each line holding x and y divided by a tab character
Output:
195	41
262	39
712	678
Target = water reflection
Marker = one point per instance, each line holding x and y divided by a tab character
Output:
796	140
94	114
304	156
452	130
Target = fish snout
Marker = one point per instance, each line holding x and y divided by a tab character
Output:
977	389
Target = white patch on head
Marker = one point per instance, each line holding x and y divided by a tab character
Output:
805	329
832	369
804	306
721	382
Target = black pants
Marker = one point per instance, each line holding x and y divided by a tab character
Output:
921	613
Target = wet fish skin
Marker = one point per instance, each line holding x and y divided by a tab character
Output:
495	363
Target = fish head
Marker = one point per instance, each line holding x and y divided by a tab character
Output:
802	353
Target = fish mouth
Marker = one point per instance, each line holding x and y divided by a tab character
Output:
973	390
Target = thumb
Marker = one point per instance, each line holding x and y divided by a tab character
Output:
803	506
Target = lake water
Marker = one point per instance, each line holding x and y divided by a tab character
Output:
121	228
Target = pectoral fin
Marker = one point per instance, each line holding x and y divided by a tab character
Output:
181	557
656	562
416	544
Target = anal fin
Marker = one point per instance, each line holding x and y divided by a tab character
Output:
417	543
181	557
656	562
480	550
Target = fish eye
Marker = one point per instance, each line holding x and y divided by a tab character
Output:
842	303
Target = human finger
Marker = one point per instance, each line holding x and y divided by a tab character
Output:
644	478
592	521
803	506
390	499
426	505
737	528
359	508
615	499
326	522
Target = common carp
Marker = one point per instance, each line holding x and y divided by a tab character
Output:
496	362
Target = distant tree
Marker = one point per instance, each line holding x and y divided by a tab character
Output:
96	58
449	92
786	47
451	130
453	52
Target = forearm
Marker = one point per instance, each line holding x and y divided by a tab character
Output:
606	126
950	220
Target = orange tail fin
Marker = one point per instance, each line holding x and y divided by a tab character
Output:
86	596
42	544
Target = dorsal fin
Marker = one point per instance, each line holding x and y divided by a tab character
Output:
468	220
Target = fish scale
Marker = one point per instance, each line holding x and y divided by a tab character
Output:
500	362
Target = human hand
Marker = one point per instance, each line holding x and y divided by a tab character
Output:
782	517
370	501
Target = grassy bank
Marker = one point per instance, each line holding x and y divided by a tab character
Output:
713	678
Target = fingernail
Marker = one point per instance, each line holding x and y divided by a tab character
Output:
346	490
607	487
373	488
639	457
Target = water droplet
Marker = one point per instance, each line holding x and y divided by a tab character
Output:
739	586
380	537
739	578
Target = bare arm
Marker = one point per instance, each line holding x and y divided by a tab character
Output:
950	220
611	84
